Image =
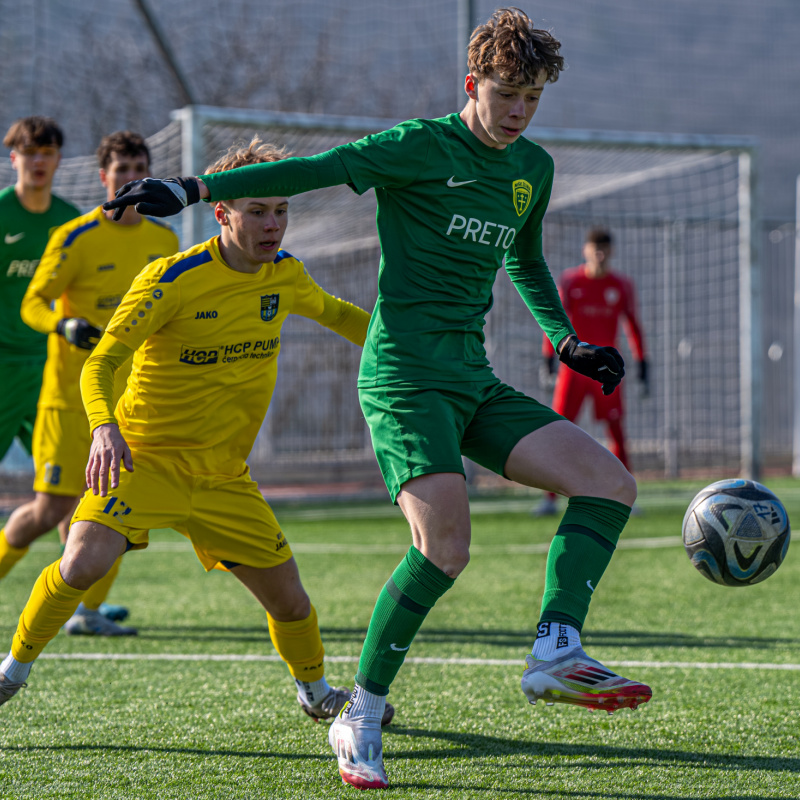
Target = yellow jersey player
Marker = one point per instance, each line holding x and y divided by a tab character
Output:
204	330
88	266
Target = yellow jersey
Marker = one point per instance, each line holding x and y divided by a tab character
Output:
87	267
206	341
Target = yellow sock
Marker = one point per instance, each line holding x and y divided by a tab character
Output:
9	555
97	592
51	604
299	644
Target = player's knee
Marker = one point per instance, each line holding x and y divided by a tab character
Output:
460	564
81	572
626	489
455	561
292	607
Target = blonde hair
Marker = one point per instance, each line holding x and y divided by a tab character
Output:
242	155
507	45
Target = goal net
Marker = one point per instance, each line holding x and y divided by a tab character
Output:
681	214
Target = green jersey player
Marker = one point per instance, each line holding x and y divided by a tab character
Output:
28	213
456	197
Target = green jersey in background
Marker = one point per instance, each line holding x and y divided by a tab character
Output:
23	238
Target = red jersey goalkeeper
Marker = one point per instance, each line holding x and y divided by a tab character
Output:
596	301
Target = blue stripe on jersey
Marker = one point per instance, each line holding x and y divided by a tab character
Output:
184	265
78	231
281	255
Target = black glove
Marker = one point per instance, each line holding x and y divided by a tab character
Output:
547	373
155	198
602	364
79	332
644	378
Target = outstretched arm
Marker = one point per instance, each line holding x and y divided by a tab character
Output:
390	158
163	198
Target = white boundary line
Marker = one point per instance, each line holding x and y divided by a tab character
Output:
533	548
458	662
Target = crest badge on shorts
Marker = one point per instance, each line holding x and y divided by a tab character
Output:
523	192
269	306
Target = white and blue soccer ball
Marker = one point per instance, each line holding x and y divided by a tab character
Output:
736	532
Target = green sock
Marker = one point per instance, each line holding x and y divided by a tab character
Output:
402	605
578	557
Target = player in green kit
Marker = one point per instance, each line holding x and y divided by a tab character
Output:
456	197
29	212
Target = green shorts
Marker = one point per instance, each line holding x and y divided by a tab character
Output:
21	385
424	429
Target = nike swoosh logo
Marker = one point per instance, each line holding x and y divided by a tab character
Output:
10	238
453	183
591	588
399	649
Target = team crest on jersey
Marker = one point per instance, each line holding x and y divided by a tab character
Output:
523	192
269	306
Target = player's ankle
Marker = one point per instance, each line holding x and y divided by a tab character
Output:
365	705
312	693
15	671
553	639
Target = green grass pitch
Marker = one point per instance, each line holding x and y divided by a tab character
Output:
154	723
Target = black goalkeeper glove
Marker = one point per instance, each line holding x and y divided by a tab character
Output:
602	364
79	332
643	374
155	198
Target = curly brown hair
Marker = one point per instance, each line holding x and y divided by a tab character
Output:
508	46
123	143
242	155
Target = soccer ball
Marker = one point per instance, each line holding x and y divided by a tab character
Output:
736	532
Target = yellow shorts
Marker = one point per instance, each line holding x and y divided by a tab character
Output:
226	518
61	443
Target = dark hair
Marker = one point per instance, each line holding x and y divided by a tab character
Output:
509	46
599	236
123	143
37	131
